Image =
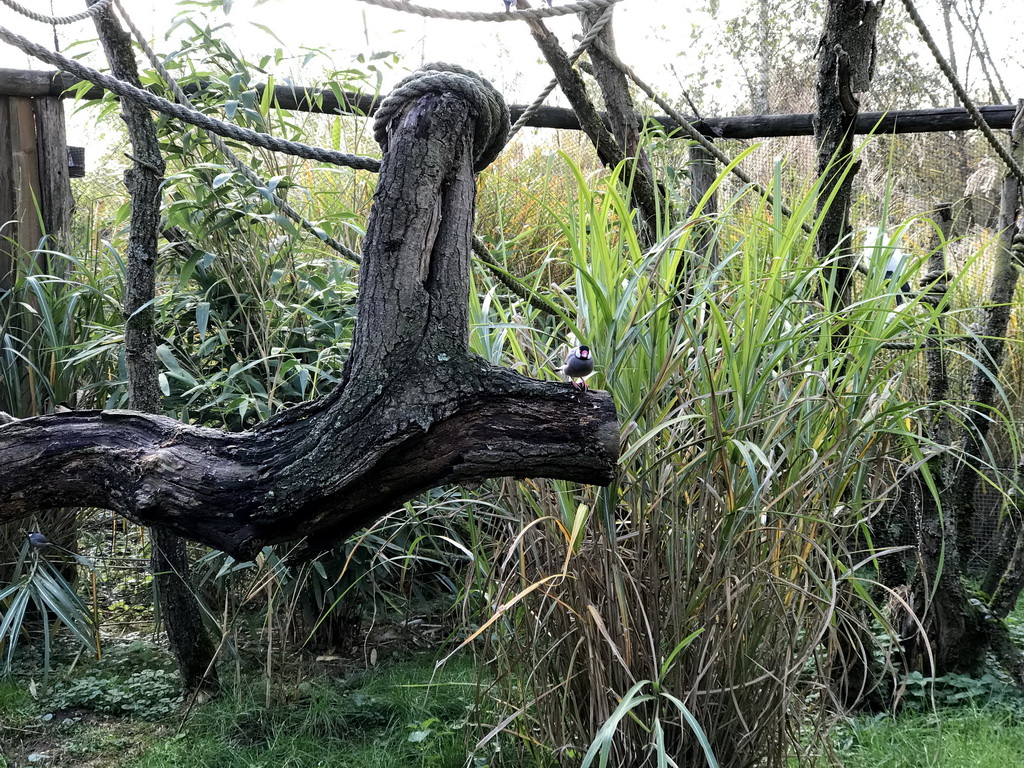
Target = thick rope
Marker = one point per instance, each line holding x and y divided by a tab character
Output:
223	148
591	35
979	121
99	7
696	135
533	14
186	115
488	105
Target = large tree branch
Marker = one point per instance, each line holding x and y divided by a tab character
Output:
414	409
309	477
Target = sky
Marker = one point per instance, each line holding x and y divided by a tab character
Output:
654	36
502	52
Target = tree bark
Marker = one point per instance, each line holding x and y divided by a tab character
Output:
1011	539
846	58
703	173
414	409
952	626
934	283
191	645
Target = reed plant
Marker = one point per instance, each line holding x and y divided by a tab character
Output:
700	608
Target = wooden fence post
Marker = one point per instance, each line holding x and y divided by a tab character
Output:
35	190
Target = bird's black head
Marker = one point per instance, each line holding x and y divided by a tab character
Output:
584	351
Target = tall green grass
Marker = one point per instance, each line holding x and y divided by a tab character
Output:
698	609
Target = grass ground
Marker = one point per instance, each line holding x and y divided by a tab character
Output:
400	714
949	738
397	716
124	713
985	730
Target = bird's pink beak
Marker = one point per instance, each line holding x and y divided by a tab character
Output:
584	353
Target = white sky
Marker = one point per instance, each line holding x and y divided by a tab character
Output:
502	52
651	35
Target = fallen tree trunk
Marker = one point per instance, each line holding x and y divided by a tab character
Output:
414	409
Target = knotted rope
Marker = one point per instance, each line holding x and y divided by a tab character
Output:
488	107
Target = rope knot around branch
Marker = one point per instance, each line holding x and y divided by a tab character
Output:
489	108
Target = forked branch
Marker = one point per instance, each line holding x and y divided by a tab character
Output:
414	410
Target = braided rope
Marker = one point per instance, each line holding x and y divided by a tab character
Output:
223	148
696	135
184	114
533	14
99	7
979	121
537	103
489	107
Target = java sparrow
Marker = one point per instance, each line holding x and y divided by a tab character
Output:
38	540
578	365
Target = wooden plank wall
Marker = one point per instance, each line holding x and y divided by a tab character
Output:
35	190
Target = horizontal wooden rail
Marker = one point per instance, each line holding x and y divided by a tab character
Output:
20	82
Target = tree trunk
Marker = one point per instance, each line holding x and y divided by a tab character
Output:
845	66
953	635
702	176
953	627
1011	534
846	60
413	410
189	642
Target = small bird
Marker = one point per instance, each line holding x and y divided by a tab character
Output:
578	365
38	540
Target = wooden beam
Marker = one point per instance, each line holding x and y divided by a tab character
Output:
16	82
8	199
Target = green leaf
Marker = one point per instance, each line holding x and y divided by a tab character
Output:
202	318
221	179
